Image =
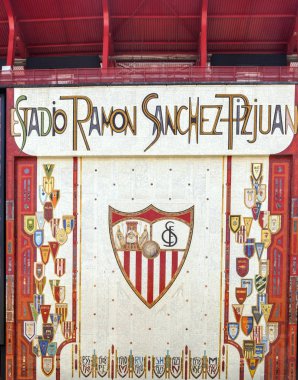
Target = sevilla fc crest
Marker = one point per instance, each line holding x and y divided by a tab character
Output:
150	247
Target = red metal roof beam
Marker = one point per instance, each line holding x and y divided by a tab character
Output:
203	36
107	38
14	36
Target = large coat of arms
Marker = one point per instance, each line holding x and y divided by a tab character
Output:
150	247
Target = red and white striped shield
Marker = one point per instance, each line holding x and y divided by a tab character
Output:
150	247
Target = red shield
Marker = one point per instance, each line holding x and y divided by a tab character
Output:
242	266
48	211
150	247
241	294
54	248
45	311
60	267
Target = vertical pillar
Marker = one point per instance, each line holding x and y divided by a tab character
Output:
203	35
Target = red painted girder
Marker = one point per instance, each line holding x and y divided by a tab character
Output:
154	17
11	34
14	36
107	39
203	35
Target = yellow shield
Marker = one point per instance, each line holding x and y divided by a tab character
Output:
256	170
235	222
30	224
266	237
48	184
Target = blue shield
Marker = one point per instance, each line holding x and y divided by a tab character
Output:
43	344
38	238
38	300
248	284
233	330
260	351
249	247
52	348
259	249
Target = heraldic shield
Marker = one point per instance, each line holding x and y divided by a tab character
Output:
150	247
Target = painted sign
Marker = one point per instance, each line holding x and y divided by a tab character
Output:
154	120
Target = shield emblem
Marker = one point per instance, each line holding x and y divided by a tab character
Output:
48	169
38	238
256	170
233	330
55	319
266	310
274	223
247	222
43	345
45	253
61	236
40	284
266	237
54	283
48	211
54	246
67	328
242	266
54	197
38	300
48	331
252	364
261	298
249	248
248	284
241	294
30	224
261	194
256	210
264	268
257	334
60	267
48	184
52	349
155	240
238	309
256	314
42	195
272	331
47	365
45	311
34	312
240	235
54	226
260	283
260	351
35	346
68	223
38	271
259	249
59	294
235	222
61	310
249	197
40	219
264	219
247	323
29	330
248	348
